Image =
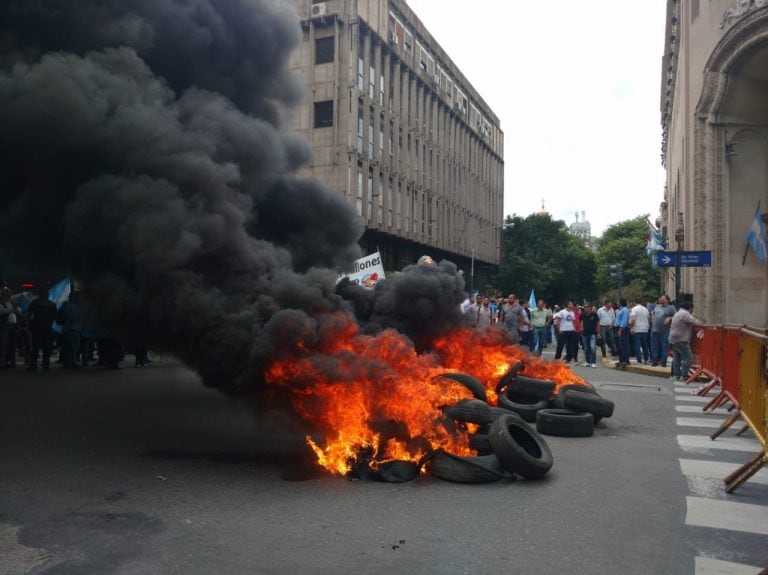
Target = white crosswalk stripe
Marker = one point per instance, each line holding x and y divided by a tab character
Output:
711	422
729	515
701	442
687	397
708	566
699	409
708	506
718	470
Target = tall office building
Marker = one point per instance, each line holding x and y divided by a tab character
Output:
397	128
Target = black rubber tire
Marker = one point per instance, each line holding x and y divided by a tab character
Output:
525	407
539	388
471	383
479	442
589	402
512	372
520	448
470	411
557	400
481	469
396	471
565	423
499	411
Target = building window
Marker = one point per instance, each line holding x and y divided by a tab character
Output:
370	195
380	202
408	42
371	127
360	127
359	202
324	114
360	74
371	82
324	49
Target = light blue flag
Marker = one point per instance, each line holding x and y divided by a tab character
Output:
755	236
58	294
532	299
655	242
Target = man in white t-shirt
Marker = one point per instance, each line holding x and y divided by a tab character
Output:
640	327
566	332
606	315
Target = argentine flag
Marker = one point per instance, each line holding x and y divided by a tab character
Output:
653	236
58	294
755	236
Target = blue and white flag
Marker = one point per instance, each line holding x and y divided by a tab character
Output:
755	236
532	300
58	294
653	236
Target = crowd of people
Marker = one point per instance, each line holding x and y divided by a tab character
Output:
649	332
33	329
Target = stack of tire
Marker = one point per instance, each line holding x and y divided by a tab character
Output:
575	410
572	412
506	445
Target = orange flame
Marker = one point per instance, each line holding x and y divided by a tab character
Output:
377	395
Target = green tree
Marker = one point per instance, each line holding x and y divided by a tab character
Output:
624	243
539	253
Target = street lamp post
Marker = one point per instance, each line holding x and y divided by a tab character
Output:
474	241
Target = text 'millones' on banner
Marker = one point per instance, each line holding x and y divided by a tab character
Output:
367	271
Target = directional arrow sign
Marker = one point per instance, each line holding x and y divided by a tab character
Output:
687	259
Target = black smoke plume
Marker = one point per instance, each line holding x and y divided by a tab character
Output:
141	151
422	302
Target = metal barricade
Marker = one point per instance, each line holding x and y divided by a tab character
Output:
752	360
706	347
728	369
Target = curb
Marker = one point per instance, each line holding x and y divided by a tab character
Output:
664	372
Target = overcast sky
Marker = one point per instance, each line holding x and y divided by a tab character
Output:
576	87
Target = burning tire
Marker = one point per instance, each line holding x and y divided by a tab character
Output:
471	383
512	372
470	411
538	388
396	471
520	448
590	402
481	469
565	423
479	442
497	412
524	406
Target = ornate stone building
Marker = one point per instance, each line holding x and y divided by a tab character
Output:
715	151
397	128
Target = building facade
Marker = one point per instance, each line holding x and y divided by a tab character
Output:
714	106
398	129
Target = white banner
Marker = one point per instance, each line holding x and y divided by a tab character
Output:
367	271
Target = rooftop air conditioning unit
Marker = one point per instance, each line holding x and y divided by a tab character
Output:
317	10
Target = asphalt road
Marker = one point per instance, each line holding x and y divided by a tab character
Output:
145	471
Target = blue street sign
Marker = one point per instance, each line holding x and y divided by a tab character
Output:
687	259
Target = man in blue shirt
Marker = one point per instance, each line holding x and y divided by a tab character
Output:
621	323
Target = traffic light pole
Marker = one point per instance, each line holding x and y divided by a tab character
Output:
617	273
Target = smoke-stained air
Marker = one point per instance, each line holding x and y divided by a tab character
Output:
141	151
